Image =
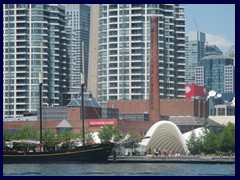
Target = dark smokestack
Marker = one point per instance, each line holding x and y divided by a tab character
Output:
154	97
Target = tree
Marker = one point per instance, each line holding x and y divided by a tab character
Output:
49	139
27	131
64	138
194	144
110	133
132	141
8	136
210	141
227	138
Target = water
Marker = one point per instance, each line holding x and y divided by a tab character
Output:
119	169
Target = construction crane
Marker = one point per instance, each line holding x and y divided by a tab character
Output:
195	24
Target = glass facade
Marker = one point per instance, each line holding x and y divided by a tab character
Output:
194	52
218	73
124	50
212	50
78	18
34	33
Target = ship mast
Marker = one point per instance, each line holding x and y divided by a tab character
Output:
82	90
40	96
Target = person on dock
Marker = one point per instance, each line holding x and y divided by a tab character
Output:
170	152
149	151
154	152
165	152
114	155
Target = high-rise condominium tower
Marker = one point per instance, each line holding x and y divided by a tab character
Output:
124	50
216	73
78	18
195	50
34	33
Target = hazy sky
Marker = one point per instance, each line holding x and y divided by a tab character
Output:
216	20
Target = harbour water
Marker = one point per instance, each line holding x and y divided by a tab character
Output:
119	169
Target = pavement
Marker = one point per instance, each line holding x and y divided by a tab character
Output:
174	159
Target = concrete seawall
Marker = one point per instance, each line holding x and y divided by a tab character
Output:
173	159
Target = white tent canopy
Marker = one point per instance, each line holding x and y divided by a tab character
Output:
165	135
10	143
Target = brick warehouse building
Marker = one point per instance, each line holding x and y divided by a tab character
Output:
183	112
168	107
187	114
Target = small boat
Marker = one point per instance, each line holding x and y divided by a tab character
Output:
92	153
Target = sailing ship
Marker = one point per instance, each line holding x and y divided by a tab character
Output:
86	153
92	153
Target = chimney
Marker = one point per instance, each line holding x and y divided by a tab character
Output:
154	97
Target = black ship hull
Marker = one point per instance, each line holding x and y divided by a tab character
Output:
94	153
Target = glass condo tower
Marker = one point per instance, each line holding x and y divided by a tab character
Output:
34	33
124	50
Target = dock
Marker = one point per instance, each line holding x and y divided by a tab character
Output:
173	159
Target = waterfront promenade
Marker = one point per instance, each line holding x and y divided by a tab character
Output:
174	159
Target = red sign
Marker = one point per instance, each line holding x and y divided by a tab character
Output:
102	122
192	91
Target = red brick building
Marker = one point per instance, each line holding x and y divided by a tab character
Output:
168	107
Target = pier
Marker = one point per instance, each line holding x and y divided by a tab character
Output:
174	159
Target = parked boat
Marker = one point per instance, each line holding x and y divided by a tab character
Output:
92	153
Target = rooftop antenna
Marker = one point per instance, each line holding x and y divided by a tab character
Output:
211	93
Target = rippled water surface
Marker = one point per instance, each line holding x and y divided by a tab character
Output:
119	169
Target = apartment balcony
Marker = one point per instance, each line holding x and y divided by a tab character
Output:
180	25
181	51
179	31
22	96
181	44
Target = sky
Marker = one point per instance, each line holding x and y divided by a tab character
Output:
216	20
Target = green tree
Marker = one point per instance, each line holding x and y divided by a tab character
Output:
210	141
27	131
8	136
194	144
66	135
64	138
227	138
88	136
108	133
132	141
49	139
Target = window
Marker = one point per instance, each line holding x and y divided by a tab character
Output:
221	111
